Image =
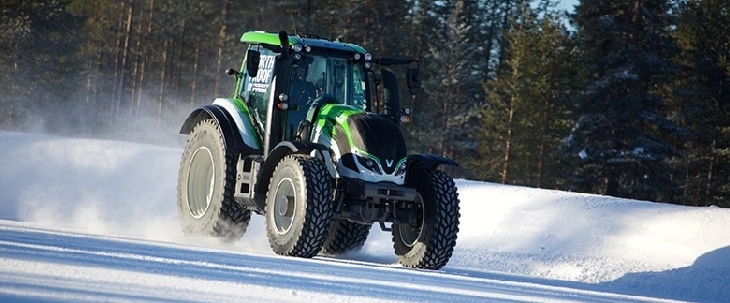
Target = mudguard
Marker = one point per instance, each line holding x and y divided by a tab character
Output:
418	164
282	150
427	162
235	123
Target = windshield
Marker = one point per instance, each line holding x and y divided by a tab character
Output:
314	76
316	79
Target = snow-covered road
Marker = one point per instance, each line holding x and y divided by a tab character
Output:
95	221
57	265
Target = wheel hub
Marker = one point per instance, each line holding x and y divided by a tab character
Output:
284	206
201	182
410	234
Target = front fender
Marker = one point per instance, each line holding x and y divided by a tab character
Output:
284	149
427	162
419	164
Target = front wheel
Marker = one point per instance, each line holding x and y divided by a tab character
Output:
299	206
430	243
345	236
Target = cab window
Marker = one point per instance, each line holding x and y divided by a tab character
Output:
257	90
341	78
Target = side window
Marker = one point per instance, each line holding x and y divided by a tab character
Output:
318	74
339	80
258	89
358	83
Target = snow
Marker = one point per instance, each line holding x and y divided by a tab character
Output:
85	220
583	154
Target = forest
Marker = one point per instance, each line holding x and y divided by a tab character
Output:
628	98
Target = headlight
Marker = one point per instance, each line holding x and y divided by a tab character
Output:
401	169
283	97
368	56
369	163
297	48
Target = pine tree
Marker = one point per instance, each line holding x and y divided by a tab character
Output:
621	141
525	116
444	119
702	105
39	40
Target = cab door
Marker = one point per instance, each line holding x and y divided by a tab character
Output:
256	91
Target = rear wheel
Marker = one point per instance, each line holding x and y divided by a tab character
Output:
344	236
299	206
205	186
430	243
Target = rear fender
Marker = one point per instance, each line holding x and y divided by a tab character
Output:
236	127
243	122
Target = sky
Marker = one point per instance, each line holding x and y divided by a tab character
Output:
568	4
85	220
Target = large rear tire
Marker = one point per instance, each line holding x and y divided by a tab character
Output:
206	183
345	236
429	245
299	206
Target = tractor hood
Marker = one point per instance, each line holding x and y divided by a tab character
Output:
368	146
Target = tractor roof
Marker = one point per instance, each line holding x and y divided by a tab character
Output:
259	37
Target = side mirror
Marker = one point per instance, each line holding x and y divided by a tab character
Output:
252	62
391	97
414	81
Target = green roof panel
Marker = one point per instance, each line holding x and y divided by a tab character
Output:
259	37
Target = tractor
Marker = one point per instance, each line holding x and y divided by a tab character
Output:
311	140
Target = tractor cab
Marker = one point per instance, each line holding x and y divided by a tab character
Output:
285	90
287	86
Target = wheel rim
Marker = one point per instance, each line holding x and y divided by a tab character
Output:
408	234
202	182
284	206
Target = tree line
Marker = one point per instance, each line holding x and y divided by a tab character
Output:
629	98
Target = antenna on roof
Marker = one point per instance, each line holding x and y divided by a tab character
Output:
294	24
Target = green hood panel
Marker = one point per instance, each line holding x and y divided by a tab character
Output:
366	134
332	115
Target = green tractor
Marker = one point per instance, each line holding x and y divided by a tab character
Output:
310	140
